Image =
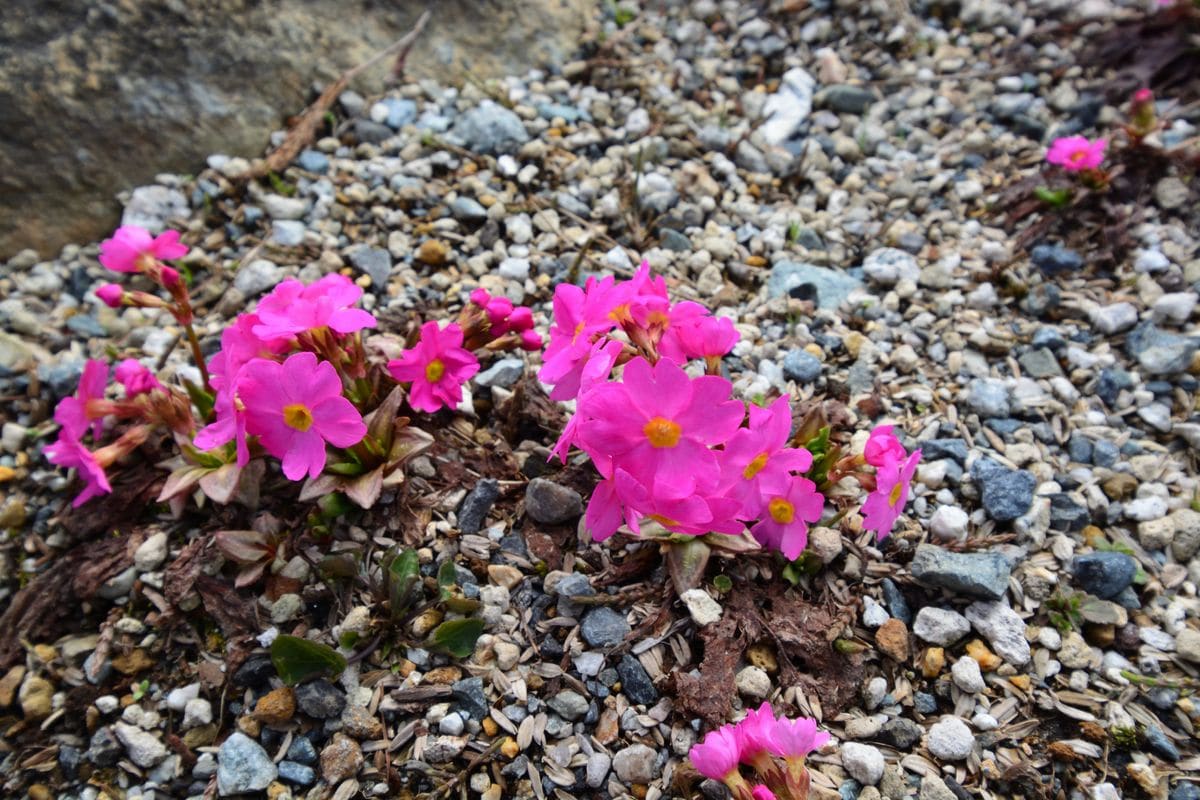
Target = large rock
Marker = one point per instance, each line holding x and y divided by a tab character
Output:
98	98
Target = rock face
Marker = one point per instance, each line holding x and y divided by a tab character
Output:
97	98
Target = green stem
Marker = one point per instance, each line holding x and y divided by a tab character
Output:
198	356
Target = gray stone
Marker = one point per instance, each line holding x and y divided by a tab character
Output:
979	574
863	762
826	287
1187	534
801	366
568	704
490	128
257	277
313	161
950	740
940	626
504	373
635	681
636	764
549	503
788	107
144	748
1160	352
598	765
297	774
1104	574
901	733
320	699
967	676
1040	363
151	207
988	397
889	265
375	262
1006	494
1114	318
288	232
467	209
278	206
848	99
1003	629
243	766
604	627
475	506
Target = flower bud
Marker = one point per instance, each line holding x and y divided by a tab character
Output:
110	294
521	319
480	297
170	277
531	340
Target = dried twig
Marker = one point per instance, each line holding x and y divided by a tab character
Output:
305	129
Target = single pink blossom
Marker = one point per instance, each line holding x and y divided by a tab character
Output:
69	452
229	426
761	792
756	461
717	756
295	408
883	506
710	338
437	367
1144	95
784	526
293	308
755	731
75	413
133	249
665	323
796	738
1075	153
136	378
624	498
883	447
580	315
111	295
596	370
660	424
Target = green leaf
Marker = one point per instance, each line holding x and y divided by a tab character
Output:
686	562
403	578
457	636
200	398
447	579
462	605
723	583
1055	198
333	506
297	659
345	468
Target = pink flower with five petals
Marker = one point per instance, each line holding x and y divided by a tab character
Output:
437	367
883	506
796	738
756	461
784	525
76	413
1076	153
293	308
717	756
69	452
133	249
295	408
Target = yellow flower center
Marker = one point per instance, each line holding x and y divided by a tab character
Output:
297	416
1077	156
434	370
755	466
662	432
578	330
894	497
781	510
620	313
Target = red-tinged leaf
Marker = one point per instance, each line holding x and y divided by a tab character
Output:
249	574
408	443
221	483
365	490
246	547
318	487
381	421
686	562
250	483
181	482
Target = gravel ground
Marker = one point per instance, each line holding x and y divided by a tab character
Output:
840	181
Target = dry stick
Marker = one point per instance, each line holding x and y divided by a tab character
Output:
305	129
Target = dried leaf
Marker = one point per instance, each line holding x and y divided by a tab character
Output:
246	547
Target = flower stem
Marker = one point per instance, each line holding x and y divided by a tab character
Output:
198	356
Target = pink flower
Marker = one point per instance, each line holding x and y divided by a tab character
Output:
1144	95
706	337
883	506
761	792
580	315
69	452
796	738
717	756
785	524
756	730
883	447
624	498
136	378
757	462
1075	153
133	249
75	413
110	294
295	408
531	341
293	308
660	424
437	367
596	370
663	323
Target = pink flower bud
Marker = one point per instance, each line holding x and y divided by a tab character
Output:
521	319
480	297
110	294
531	340
498	309
170	277
1142	96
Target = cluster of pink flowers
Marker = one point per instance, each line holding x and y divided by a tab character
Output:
290	379
1076	153
757	741
678	449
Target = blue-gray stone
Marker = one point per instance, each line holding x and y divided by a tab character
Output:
1160	745
1105	453
287	232
295	773
603	627
467	209
635	683
826	287
848	99
1054	258
491	128
371	132
320	699
243	766
1111	383
1066	514
301	750
1185	790
63	377
981	574
1104	574
1160	352
674	240
801	366
938	449
1006	494
924	703
1039	363
1079	447
104	750
313	161
1051	338
475	506
400	112
86	325
569	114
897	604
988	397
375	262
435	122
470	696
504	373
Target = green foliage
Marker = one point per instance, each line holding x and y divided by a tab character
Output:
402	576
1064	610
297	660
457	636
806	564
1055	198
723	583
